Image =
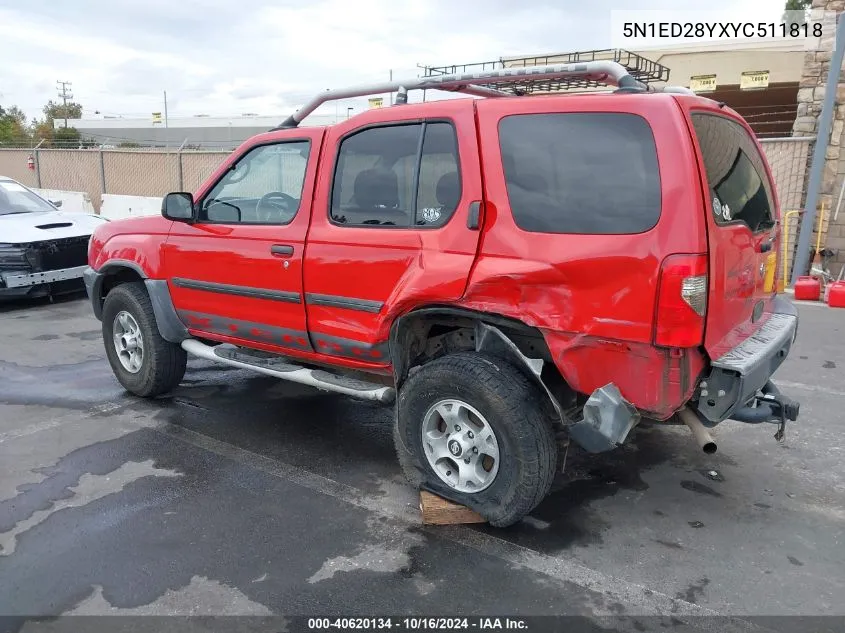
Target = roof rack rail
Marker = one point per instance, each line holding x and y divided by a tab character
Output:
603	71
481	84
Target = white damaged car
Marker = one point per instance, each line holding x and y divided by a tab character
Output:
43	251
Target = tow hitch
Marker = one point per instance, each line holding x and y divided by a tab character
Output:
769	406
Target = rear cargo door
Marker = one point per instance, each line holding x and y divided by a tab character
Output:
742	214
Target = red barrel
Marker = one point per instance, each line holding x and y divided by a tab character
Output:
836	298
807	289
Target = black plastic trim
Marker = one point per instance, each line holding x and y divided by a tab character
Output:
122	263
93	287
94	281
170	326
240	291
350	303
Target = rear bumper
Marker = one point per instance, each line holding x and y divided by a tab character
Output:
738	386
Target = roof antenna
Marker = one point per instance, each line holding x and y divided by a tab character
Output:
401	96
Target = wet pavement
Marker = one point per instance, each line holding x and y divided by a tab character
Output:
242	495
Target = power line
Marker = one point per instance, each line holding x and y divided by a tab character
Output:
64	95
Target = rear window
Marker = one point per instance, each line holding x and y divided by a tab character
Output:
739	188
581	173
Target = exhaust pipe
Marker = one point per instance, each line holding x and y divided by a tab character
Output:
699	432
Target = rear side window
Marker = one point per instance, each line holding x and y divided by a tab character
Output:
397	176
581	173
739	188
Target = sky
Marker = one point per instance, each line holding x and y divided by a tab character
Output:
230	57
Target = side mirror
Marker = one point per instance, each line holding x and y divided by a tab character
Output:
56	203
178	206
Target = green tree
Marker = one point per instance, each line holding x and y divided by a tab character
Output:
51	128
58	111
14	131
797	5
66	137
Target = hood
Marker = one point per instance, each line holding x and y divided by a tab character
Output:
37	226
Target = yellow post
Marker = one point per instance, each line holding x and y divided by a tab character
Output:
785	237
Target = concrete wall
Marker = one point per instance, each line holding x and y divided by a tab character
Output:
116	207
72	201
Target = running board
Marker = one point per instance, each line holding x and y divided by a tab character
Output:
281	367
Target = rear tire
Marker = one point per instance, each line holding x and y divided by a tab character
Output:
506	401
143	362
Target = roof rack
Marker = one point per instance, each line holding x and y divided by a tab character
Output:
640	68
485	83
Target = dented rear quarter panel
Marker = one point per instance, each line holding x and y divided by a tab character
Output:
594	296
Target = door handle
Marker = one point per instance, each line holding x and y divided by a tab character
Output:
281	250
474	216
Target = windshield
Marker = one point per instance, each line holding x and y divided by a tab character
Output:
15	198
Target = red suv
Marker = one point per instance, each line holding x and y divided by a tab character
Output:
513	272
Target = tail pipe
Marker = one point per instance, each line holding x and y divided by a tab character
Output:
699	432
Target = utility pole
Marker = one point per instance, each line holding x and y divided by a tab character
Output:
391	81
64	95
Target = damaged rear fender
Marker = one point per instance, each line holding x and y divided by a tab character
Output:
607	418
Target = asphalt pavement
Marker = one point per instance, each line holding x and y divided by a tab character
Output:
240	494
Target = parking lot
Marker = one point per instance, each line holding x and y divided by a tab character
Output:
241	494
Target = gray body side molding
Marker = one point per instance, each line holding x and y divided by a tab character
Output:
170	326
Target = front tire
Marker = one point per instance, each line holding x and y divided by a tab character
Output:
471	428
144	363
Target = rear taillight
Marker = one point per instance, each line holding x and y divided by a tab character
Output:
681	301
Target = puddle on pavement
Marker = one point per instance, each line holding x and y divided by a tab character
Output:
73	386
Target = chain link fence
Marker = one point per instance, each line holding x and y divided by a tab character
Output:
95	172
789	159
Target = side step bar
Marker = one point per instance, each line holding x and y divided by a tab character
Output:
280	367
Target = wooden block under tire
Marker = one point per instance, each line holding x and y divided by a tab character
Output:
438	511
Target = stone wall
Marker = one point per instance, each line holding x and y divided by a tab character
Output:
811	95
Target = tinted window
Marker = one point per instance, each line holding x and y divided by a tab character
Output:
264	186
581	173
397	176
440	181
740	189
